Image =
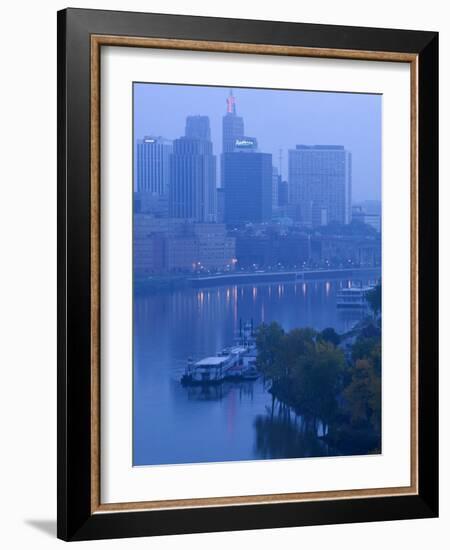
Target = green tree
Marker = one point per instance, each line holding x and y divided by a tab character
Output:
363	395
269	339
330	335
316	381
368	348
296	343
374	299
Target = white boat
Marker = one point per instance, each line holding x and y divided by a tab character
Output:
353	297
212	369
234	363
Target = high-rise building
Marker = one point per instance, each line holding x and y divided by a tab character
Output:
372	207
248	186
276	179
152	165
320	184
283	193
192	193
364	214
232	125
197	127
232	129
220	191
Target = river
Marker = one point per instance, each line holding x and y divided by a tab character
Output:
234	421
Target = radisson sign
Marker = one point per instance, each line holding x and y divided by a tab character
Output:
245	143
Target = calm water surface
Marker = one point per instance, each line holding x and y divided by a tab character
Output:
173	424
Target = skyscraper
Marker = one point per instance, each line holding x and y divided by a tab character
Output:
320	184
248	186
197	127
153	165
232	125
193	174
276	179
232	129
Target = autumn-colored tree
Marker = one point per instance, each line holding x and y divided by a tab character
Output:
363	395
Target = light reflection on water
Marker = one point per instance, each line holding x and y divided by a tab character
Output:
173	424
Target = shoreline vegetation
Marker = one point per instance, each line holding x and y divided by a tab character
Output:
161	283
331	381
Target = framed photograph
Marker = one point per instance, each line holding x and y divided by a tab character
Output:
247	255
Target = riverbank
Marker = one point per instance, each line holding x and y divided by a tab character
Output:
328	378
172	282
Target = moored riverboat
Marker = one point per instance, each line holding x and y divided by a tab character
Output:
235	363
353	297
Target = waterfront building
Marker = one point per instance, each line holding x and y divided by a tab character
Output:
168	245
346	251
149	255
181	253
148	244
192	194
288	251
359	213
152	165
200	247
248	186
320	184
145	225
215	249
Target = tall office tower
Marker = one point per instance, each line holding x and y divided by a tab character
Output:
232	125
372	207
320	184
232	129
152	165
283	193
276	179
248	186
197	127
193	193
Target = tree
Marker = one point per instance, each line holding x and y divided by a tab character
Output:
316	381
306	371
363	396
269	343
374	299
368	348
330	335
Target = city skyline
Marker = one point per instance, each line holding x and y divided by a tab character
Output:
326	118
187	184
256	295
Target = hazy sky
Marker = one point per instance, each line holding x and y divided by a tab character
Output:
279	119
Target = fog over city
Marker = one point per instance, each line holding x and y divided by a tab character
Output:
256	294
279	119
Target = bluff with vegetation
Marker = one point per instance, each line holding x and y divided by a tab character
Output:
327	377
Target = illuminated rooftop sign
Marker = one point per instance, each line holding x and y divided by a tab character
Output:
245	143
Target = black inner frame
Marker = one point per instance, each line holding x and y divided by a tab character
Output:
75	521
